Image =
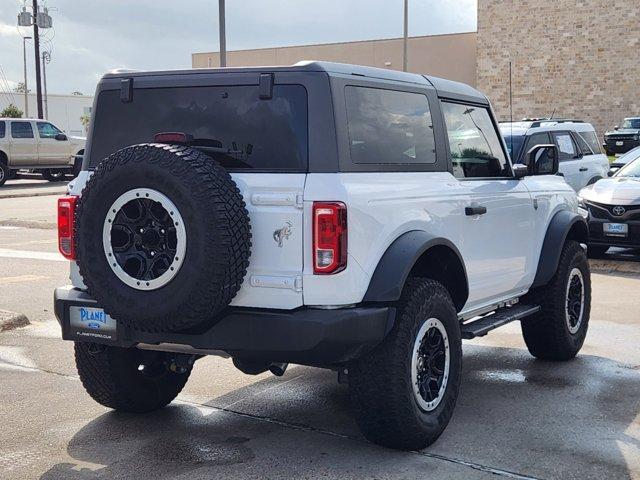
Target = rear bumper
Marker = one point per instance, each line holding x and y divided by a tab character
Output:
305	336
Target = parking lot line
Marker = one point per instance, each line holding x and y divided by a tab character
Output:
50	256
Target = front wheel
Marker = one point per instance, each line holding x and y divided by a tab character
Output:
53	174
558	331
129	379
4	173
404	392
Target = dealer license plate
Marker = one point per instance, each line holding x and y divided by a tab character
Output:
616	229
92	322
619	144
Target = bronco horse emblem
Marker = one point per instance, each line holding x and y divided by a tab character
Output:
283	233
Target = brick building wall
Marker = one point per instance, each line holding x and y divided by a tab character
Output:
580	58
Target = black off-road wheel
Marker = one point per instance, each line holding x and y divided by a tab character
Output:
558	331
404	392
128	379
163	237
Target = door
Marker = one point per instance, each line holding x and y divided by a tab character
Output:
572	167
595	163
497	232
52	151
24	149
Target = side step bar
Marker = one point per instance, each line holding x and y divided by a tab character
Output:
500	317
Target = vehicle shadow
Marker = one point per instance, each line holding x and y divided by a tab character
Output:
546	420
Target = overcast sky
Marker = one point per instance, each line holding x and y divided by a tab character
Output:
91	37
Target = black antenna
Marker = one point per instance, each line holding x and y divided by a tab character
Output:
511	106
552	114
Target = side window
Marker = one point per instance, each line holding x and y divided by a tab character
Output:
592	140
47	130
21	130
476	150
582	145
566	148
3	129
540	138
389	127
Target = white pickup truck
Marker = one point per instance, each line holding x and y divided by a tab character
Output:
38	145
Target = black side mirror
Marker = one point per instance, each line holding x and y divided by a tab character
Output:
616	127
543	160
610	173
61	137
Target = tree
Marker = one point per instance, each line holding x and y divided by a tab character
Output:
20	88
85	119
77	93
11	112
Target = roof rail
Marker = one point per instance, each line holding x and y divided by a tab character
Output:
538	122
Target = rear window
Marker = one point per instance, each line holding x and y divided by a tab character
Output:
592	140
3	129
234	125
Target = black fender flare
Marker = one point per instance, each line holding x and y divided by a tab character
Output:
560	225
395	265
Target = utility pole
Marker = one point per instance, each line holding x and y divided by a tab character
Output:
406	35
45	59
223	36
26	89
36	41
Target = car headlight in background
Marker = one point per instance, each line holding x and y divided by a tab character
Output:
583	211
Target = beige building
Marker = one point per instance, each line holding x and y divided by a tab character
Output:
450	56
580	59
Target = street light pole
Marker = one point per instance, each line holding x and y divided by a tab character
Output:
36	41
45	59
223	39
26	90
406	34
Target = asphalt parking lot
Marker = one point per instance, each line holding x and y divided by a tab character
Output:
517	418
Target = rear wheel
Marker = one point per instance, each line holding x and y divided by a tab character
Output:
54	174
558	331
4	173
405	391
129	379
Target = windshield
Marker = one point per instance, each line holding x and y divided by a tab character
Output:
630	156
631	123
514	145
631	169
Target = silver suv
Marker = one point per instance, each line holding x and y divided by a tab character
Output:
38	145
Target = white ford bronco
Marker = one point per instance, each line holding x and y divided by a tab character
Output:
344	217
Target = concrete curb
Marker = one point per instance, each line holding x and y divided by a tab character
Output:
45	193
11	320
28	224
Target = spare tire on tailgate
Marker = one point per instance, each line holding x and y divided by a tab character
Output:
163	237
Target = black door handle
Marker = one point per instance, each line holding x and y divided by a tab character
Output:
475	210
584	169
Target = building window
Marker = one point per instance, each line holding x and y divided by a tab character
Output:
476	150
389	127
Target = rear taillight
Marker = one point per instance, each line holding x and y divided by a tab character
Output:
329	237
66	217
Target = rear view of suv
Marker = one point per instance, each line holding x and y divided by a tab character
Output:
581	159
322	214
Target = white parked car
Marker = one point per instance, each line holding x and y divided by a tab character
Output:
624	159
331	215
582	162
614	210
38	145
